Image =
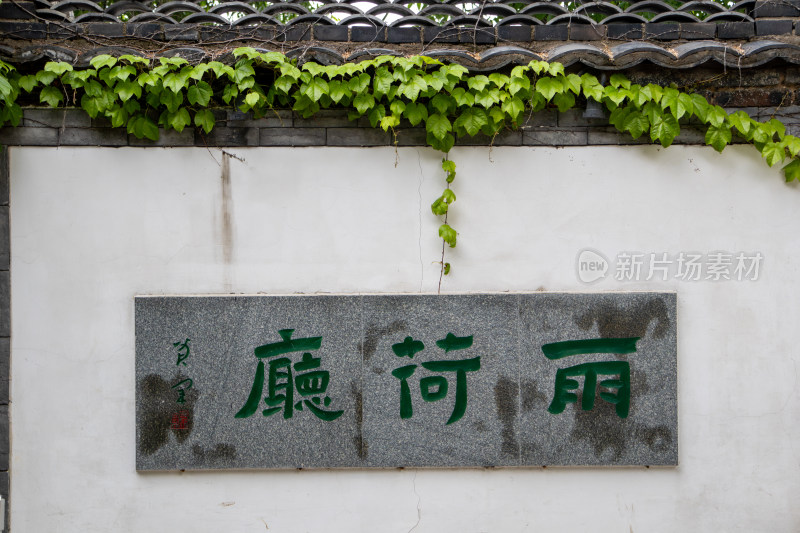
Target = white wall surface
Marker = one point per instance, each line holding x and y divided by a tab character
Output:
91	228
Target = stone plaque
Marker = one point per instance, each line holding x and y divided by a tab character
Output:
354	381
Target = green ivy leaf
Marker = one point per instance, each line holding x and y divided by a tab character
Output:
90	105
147	78
664	128
741	121
549	87
701	106
389	122
778	127
230	93
572	82
171	100
564	101
449	167
448	234
618	80
128	89
773	153
252	98
376	115
485	98
314	68
28	83
446	269
51	95
436	80
363	102
443	103
382	80
122	72
316	88
518	84
591	87
614	94
463	97
716	116
204	119
472	120
45	78
57	67
477	83
718	137
199	94
11	114
513	107
670	99
179	120
118	116
500	80
338	90
762	133
413	88
618	116
415	113
792	144
284	84
792	170
442	145
360	83
636	123
134	59
103	60
143	127
397	107
438	125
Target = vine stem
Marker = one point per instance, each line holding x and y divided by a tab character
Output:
441	266
444	243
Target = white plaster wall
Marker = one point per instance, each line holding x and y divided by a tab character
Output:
91	228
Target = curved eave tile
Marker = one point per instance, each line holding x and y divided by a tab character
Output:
572	52
624	55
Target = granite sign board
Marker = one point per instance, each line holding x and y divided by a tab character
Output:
380	381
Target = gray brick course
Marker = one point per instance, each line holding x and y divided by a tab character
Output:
29	136
4	175
5	301
94	137
292	137
548	137
166	138
56	118
358	137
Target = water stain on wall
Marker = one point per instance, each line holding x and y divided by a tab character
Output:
617	322
532	398
374	334
158	404
603	430
505	398
358	439
219	455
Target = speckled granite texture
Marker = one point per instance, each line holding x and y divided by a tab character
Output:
405	381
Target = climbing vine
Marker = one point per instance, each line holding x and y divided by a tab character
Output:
144	96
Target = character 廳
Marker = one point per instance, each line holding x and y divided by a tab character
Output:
590	371
311	384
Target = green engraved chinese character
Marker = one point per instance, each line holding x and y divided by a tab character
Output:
621	383
435	388
282	383
183	351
